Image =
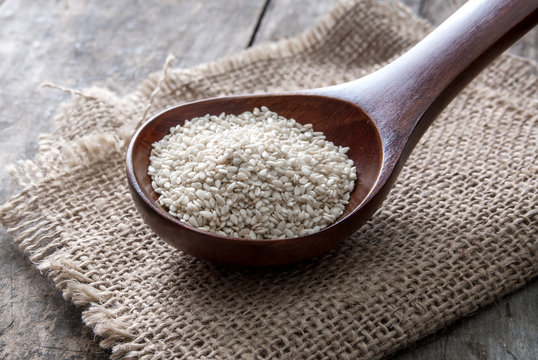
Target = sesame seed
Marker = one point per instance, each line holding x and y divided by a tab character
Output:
255	175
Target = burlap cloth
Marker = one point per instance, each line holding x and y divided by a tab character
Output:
458	230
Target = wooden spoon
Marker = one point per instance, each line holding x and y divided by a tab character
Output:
379	117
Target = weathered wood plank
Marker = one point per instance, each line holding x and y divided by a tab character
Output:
286	18
507	329
414	5
77	44
436	11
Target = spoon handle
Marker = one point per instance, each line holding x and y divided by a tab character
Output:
405	96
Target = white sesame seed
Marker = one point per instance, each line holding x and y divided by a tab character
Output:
255	175
206	214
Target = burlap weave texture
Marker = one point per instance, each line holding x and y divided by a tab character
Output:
458	230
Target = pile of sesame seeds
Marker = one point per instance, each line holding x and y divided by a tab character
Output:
255	175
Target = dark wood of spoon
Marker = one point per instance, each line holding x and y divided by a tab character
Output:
379	117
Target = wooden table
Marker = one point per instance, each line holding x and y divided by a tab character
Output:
78	43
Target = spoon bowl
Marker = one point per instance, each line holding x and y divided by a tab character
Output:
352	126
379	117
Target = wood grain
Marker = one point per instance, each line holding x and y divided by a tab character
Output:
436	11
65	42
285	18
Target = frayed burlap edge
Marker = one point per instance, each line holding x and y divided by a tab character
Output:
36	235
